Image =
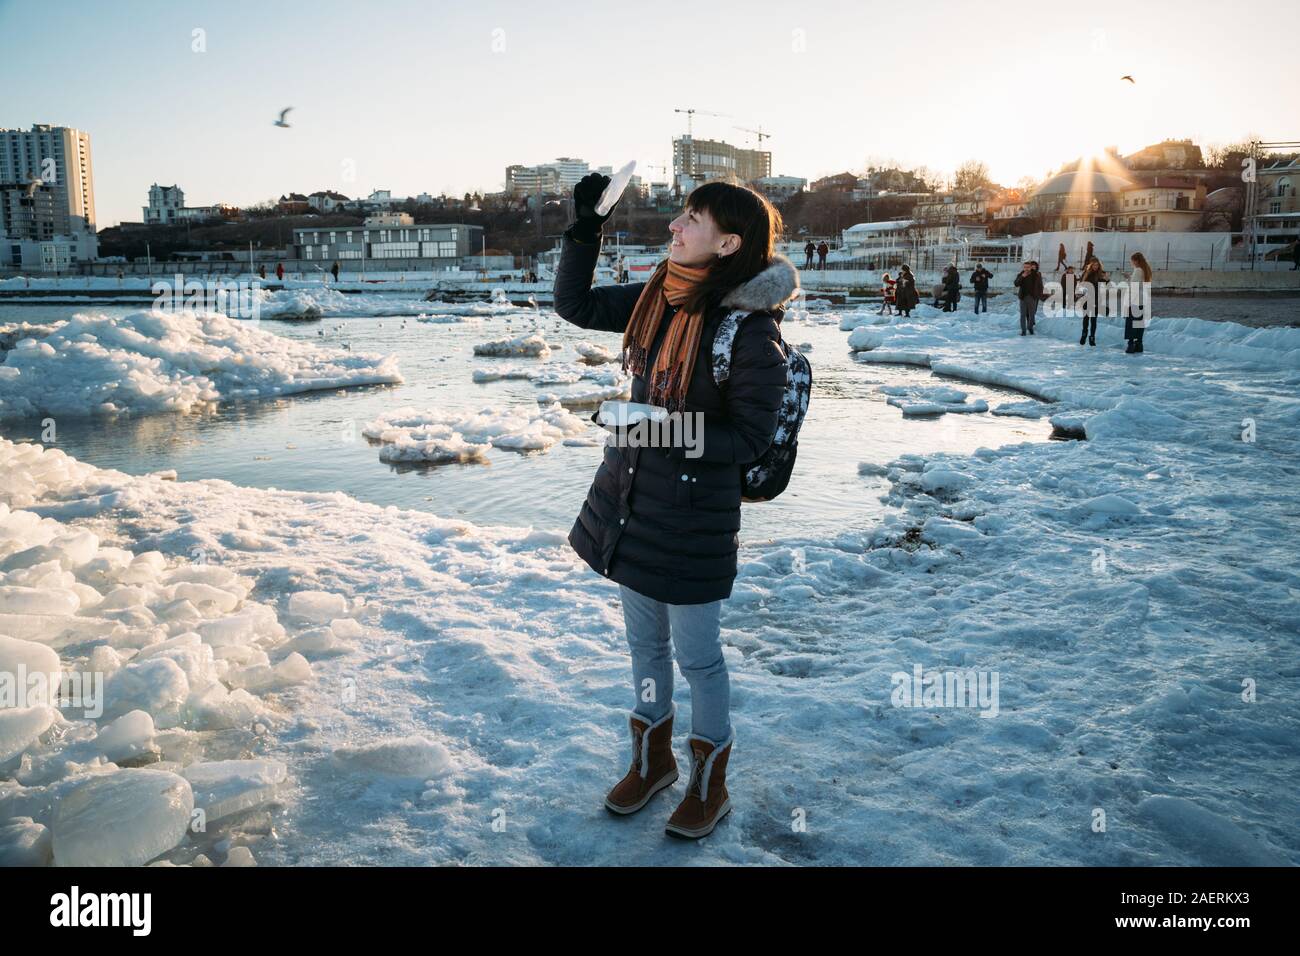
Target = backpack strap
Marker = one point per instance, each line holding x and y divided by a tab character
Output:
724	339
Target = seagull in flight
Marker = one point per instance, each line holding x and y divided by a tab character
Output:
34	185
280	122
1129	78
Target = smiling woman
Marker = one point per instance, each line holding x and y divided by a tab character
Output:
661	524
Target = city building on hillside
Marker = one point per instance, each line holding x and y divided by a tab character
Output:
780	188
836	183
165	203
389	236
167	208
1170	154
547	178
1160	204
327	200
294	204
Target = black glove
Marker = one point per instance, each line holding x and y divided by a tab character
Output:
586	193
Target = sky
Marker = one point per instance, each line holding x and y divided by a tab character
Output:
433	97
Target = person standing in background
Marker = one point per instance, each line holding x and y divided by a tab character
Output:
1092	276
979	280
822	251
1029	290
905	293
1136	319
951	289
808	252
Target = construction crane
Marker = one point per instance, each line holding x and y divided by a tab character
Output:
690	117
757	132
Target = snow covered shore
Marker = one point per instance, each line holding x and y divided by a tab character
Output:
142	363
1135	595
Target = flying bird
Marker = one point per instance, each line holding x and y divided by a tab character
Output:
280	122
1129	78
34	185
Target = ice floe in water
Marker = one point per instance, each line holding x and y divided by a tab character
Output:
437	435
524	345
146	362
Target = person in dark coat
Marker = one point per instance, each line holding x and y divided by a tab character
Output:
822	252
809	251
979	280
279	271
664	522
951	289
906	298
1090	303
1029	290
335	269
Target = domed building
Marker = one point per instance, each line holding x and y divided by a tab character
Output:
1083	199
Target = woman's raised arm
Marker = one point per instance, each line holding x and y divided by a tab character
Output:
602	308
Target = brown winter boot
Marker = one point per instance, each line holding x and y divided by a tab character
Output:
707	800
653	764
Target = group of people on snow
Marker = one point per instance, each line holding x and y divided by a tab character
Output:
900	294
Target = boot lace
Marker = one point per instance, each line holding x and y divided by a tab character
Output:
636	751
696	783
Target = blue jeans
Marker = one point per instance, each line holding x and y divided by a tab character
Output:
694	630
981	298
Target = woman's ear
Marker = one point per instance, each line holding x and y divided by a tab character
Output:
730	243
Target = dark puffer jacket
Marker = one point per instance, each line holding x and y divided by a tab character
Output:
664	524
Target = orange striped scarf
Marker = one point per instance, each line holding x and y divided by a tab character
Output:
668	381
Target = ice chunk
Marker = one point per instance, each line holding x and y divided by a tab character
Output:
157	685
32	657
225	787
121	818
261	678
21	726
317	607
19	600
24	843
533	345
129	736
401	757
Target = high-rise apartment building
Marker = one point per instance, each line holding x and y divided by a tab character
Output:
60	158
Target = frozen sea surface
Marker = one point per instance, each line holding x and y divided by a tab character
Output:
337	681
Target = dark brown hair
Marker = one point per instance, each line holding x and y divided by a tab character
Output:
734	209
1140	261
